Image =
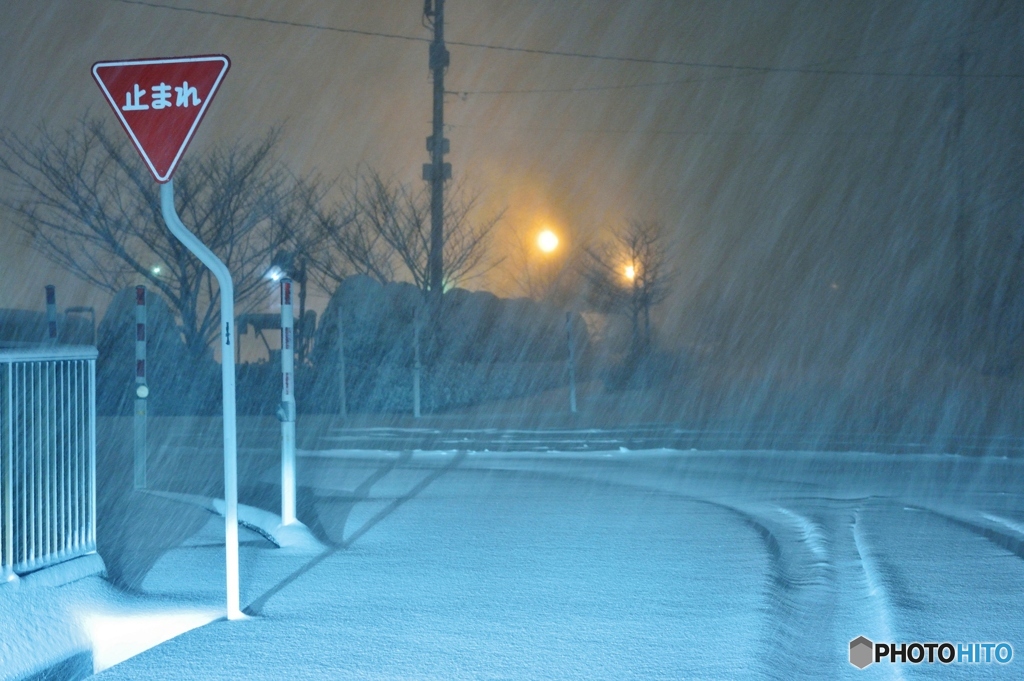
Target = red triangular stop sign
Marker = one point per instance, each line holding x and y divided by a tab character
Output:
160	102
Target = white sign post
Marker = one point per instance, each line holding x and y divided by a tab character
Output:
227	366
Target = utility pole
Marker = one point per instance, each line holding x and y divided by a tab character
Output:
437	171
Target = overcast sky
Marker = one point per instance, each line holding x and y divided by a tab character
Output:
346	100
839	113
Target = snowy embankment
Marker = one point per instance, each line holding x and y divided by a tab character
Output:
615	565
66	621
612	565
74	624
441	572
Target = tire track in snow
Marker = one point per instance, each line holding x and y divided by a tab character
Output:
876	590
824	592
929	597
1010	539
810	533
796	586
823	589
1018	528
819	595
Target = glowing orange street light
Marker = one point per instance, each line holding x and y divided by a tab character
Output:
630	272
547	241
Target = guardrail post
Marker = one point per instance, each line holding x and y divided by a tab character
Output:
7	484
91	425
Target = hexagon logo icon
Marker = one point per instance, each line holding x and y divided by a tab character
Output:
862	652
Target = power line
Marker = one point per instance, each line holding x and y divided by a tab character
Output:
684	81
738	68
585	88
278	22
683	133
703	65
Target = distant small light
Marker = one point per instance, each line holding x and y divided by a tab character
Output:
156	270
274	273
547	241
835	286
630	272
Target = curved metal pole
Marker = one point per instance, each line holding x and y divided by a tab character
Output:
227	363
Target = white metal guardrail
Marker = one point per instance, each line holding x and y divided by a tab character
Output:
47	456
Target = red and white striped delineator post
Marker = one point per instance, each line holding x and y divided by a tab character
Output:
227	365
286	412
51	314
141	388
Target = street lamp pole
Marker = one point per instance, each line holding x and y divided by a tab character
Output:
287	409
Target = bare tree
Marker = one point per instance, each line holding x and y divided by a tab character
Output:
382	228
293	223
89	205
630	272
466	240
346	238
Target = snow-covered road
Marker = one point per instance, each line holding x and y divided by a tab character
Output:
658	564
